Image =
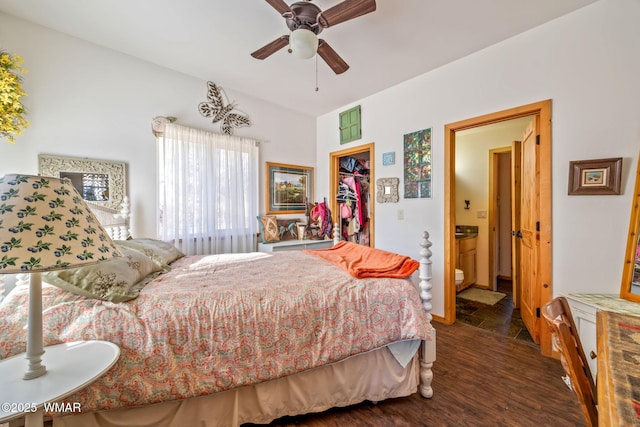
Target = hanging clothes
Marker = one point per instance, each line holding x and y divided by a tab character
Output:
322	214
353	200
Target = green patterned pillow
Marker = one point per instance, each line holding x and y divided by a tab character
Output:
161	251
116	280
269	230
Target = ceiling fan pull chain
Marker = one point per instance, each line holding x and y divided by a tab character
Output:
317	72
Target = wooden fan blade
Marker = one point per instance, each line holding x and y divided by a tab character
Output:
332	59
345	11
280	6
271	48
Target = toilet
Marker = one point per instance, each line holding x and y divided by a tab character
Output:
459	277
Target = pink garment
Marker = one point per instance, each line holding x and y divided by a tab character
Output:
359	202
355	186
345	210
322	214
350	181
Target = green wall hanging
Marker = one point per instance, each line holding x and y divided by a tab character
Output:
350	125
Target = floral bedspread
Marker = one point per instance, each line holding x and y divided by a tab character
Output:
217	322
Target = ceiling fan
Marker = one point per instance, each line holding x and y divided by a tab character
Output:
306	21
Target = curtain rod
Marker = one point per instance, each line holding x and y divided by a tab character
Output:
158	123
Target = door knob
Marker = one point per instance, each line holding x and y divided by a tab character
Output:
519	234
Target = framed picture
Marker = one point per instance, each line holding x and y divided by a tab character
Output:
388	158
595	177
289	188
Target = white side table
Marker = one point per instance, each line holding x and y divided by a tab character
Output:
70	367
294	245
584	308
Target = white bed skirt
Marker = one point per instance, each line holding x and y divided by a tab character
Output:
373	376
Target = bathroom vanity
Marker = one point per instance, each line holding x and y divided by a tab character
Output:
466	241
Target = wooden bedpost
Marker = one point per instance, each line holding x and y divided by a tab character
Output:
125	211
425	274
428	348
114	221
336	233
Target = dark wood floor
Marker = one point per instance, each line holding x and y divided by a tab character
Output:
481	378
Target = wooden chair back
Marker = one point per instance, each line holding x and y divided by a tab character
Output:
557	315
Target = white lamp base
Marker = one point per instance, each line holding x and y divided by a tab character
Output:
35	351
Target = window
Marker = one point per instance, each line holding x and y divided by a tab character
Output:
207	191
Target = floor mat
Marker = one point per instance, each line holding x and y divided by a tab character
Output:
482	295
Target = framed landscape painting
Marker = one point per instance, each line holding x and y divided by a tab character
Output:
289	188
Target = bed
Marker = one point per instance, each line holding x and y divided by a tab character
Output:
229	339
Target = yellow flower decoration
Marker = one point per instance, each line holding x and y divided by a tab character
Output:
12	121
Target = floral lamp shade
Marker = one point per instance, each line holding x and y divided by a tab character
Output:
45	225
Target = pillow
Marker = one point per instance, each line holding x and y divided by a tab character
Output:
117	280
163	252
269	230
288	229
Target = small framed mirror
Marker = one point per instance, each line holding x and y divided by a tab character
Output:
630	288
387	190
102	182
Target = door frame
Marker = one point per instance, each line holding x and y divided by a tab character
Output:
334	169
544	278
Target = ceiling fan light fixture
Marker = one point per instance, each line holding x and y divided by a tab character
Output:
304	43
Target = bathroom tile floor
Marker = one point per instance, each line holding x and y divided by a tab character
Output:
500	317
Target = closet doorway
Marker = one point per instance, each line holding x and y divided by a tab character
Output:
363	154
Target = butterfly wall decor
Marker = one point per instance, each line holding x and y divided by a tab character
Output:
216	108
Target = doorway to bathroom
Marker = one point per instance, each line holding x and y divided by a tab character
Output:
535	269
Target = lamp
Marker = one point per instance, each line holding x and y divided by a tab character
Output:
304	43
45	225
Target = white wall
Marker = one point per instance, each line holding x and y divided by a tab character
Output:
88	101
588	64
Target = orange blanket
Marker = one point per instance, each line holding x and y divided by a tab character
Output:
363	261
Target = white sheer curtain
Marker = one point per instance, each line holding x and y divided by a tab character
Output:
208	191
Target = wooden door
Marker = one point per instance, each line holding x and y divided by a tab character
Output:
528	234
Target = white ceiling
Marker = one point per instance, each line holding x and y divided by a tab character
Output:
212	40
